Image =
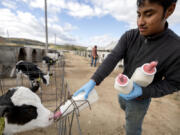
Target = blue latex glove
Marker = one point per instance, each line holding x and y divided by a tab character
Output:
136	92
87	88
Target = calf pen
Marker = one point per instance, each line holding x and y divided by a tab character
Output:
52	96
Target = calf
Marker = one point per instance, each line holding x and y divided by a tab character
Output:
48	61
54	55
22	110
31	71
35	86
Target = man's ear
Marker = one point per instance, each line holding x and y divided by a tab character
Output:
170	10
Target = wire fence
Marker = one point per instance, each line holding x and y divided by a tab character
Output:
52	96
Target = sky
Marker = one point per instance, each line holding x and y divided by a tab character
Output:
79	22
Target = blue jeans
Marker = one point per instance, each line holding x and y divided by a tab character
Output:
93	61
135	111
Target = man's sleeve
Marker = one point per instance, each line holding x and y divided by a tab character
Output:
111	61
170	83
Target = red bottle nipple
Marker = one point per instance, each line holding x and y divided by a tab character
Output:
122	79
150	68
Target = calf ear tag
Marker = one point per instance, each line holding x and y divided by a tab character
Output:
39	79
2	125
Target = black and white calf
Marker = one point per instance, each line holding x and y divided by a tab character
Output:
35	86
22	110
32	71
54	55
48	61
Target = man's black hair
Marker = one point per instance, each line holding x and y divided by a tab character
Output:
164	3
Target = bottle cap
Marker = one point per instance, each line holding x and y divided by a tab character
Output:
150	68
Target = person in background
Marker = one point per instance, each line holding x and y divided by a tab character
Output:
152	40
94	56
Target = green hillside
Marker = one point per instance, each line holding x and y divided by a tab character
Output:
26	42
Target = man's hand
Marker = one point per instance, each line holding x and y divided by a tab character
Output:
87	88
136	92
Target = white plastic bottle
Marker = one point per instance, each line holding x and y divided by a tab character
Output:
80	102
123	84
144	75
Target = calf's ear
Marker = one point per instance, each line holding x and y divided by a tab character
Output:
3	110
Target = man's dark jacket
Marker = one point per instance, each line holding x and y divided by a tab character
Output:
136	50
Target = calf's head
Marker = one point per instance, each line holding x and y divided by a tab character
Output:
35	84
46	78
22	110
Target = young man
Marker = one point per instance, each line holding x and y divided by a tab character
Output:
153	40
94	56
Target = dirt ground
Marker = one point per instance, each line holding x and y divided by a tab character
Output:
106	117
